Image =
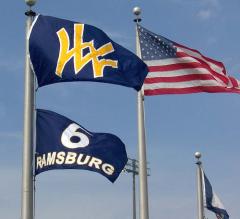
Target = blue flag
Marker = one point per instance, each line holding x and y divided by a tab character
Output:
62	50
63	144
211	200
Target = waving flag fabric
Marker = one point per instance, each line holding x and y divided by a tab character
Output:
177	69
211	200
63	144
62	50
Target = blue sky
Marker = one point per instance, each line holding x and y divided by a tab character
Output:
176	125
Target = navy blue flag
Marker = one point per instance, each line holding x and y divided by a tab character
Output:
62	50
211	200
63	144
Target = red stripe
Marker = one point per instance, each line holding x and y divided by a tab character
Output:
203	64
234	81
189	90
220	64
185	47
184	55
223	78
217	63
181	78
173	67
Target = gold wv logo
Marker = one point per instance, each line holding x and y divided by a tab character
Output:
80	60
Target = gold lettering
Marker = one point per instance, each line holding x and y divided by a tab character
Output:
65	54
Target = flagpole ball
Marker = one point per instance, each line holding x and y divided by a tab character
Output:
137	12
30	3
198	155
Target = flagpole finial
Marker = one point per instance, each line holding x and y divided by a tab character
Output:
137	12
30	3
198	155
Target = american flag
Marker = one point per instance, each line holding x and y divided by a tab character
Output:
177	69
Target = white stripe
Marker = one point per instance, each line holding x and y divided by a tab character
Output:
199	56
216	202
187	84
238	82
33	23
171	61
190	71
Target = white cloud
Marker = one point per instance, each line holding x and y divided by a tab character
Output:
204	14
206	9
214	3
209	9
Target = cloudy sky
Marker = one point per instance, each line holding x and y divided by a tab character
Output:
176	125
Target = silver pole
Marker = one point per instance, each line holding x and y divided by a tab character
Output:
143	186
132	167
134	190
27	167
199	187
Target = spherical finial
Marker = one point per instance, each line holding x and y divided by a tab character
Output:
30	3
137	11
198	155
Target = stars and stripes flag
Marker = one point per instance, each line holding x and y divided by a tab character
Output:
177	69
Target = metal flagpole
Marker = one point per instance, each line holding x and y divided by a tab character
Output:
132	167
134	190
199	187
27	171
143	196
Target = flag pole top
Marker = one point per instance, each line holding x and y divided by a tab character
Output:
198	155
137	12
30	3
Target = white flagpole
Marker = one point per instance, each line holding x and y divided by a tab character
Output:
199	186
143	186
28	141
